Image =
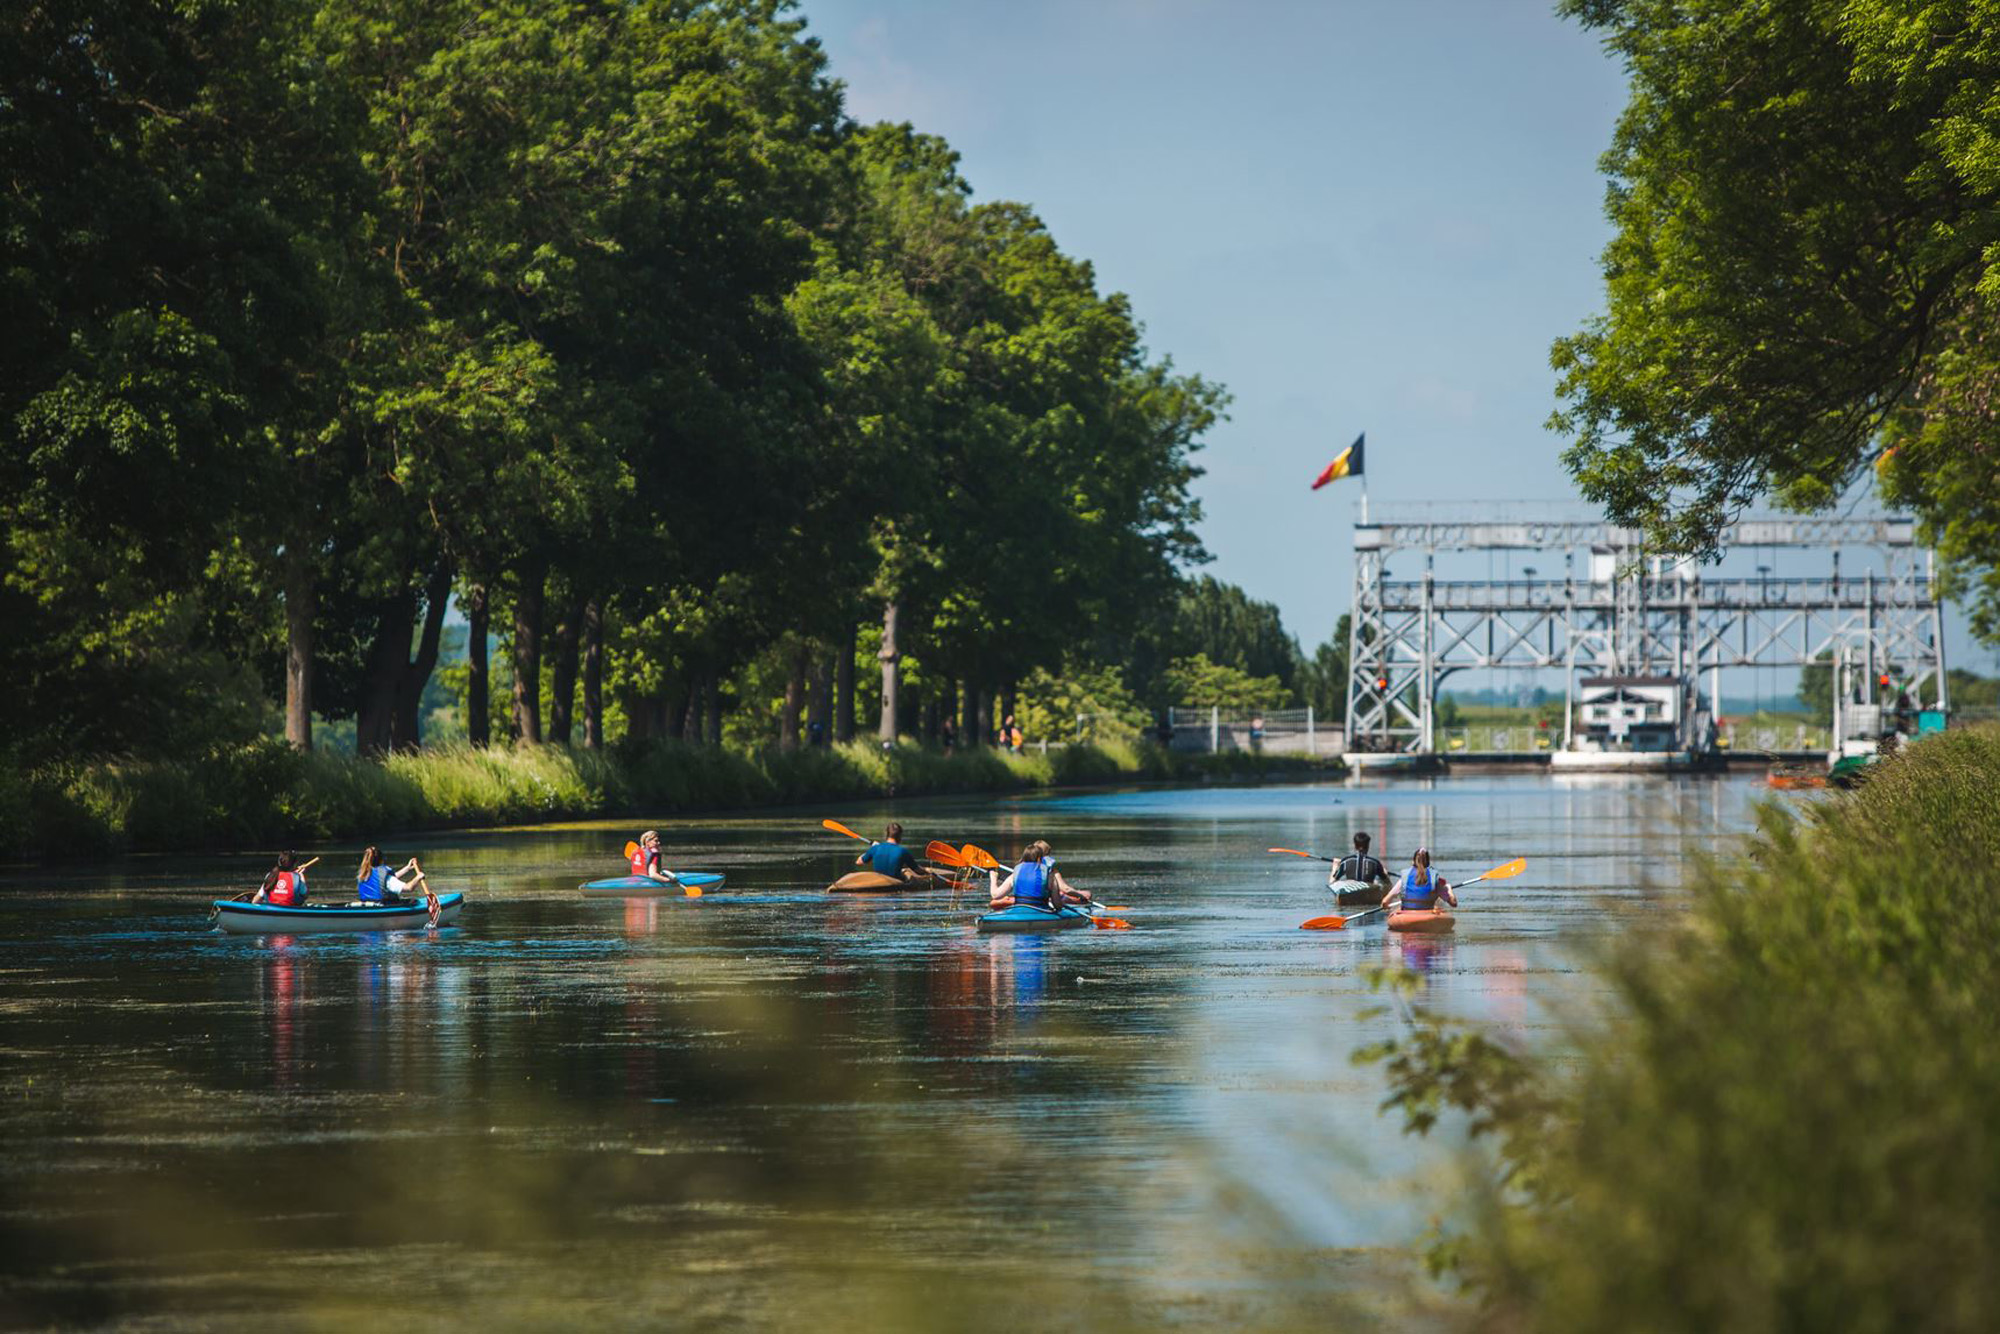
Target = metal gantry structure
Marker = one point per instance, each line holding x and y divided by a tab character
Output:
1628	613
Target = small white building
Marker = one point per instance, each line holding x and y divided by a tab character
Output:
1629	713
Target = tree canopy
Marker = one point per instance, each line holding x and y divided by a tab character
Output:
1806	197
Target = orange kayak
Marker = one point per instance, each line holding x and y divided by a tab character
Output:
1434	923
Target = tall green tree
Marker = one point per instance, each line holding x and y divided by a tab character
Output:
1807	207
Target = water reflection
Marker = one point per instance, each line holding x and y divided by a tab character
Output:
675	1108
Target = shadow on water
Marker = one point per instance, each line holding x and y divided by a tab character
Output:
772	1106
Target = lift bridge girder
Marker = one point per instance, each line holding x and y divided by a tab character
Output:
1622	617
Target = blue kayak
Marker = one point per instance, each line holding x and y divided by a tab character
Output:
627	886
1023	917
275	919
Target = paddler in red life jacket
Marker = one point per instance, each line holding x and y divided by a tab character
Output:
646	861
284	885
1420	888
1035	882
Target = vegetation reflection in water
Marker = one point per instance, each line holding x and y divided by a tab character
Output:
769	1106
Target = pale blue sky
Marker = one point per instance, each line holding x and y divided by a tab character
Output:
1356	214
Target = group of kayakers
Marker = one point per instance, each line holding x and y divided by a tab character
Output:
285	883
1417	889
1034	881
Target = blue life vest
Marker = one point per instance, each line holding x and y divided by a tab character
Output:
1416	897
373	887
1034	884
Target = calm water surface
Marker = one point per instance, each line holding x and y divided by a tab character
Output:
771	1107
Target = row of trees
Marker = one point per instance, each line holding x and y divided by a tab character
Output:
600	322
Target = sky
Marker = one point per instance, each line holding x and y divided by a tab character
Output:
1356	215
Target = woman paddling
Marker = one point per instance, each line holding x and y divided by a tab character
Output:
1420	888
1035	882
376	883
646	861
285	883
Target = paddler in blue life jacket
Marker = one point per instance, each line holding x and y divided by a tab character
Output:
1035	882
889	857
1358	865
646	861
376	883
1420	888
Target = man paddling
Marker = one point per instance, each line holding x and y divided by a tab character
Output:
1358	865
889	857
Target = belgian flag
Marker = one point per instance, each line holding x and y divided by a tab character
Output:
1347	465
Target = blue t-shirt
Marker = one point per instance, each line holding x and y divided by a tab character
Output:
890	859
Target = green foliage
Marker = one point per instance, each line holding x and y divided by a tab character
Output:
1815	690
1787	1120
1197	682
1050	706
1807	236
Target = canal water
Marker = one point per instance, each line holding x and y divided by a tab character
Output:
771	1107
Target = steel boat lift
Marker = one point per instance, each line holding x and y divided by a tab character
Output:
1633	633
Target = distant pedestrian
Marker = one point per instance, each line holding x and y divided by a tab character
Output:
1257	732
948	736
1017	740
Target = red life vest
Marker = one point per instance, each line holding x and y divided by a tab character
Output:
287	890
639	860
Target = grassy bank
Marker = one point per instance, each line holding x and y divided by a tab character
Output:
1793	1119
266	795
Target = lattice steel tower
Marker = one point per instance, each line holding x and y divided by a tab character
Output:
1626	613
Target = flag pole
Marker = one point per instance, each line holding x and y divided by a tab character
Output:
1364	498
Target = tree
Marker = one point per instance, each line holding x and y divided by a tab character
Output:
1805	203
1199	683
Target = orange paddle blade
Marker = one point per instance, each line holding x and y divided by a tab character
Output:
1294	851
631	850
692	891
1110	924
1323	924
839	828
944	854
980	857
1115	907
1507	872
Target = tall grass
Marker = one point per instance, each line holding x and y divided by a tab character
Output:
1793	1121
266	795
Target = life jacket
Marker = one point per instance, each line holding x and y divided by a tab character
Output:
1034	884
1416	897
371	888
288	890
642	858
1365	868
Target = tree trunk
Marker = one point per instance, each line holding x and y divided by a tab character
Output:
406	730
795	701
478	681
930	726
843	686
528	657
983	725
889	659
388	658
1007	701
968	730
301	602
711	693
822	700
562	688
593	676
690	715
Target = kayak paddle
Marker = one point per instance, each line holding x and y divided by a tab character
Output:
839	828
1110	924
1506	871
1336	923
944	854
980	857
1309	856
